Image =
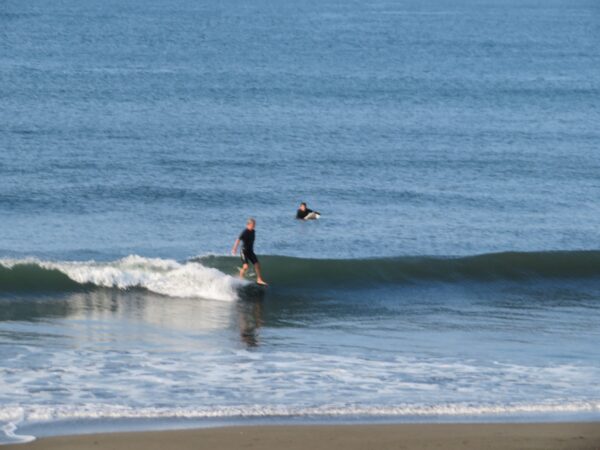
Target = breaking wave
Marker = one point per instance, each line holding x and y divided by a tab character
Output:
214	276
165	277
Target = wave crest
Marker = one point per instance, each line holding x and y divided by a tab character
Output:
283	270
212	276
165	277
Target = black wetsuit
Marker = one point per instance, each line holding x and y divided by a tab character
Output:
302	214
247	238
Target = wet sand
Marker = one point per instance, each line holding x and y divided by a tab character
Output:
547	436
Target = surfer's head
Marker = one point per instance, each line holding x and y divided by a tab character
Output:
303	206
251	223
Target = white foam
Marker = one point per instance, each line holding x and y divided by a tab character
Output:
86	383
162	276
10	428
46	413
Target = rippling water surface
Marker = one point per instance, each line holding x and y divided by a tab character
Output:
451	147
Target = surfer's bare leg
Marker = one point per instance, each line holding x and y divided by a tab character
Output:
243	270
259	278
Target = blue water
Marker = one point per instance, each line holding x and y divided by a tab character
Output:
136	137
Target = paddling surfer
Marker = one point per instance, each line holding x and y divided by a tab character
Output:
304	211
248	256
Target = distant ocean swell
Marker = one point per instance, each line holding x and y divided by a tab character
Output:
213	276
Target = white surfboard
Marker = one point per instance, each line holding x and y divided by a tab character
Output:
312	216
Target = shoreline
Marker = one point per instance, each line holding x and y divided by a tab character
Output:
468	436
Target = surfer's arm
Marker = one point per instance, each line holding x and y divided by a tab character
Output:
235	247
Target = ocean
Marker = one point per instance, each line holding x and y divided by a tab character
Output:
452	149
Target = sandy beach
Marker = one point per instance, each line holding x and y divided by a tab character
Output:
547	436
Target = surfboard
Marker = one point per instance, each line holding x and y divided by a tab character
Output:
249	274
253	287
253	283
312	216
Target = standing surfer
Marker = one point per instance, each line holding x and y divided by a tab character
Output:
247	238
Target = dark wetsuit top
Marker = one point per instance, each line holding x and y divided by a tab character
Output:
302	214
247	237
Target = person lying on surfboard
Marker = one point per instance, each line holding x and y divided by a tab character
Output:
248	256
304	213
